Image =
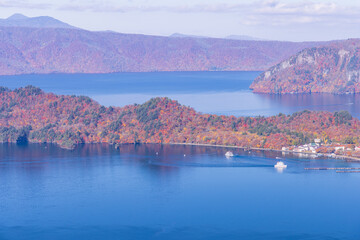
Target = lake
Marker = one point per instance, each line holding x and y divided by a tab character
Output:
97	192
171	192
208	92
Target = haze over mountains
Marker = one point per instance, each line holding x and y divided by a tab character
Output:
47	45
19	20
232	37
244	37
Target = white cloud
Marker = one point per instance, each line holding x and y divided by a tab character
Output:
268	12
277	7
24	4
265	7
247	13
276	12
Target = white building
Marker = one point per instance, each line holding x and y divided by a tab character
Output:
340	148
317	141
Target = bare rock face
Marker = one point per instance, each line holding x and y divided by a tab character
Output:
331	68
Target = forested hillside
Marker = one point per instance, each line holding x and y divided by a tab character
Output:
26	50
29	114
332	68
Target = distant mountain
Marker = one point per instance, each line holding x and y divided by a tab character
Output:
332	68
244	37
50	46
180	35
231	37
19	20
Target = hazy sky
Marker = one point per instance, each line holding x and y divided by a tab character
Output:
294	20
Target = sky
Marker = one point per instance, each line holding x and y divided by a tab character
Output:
290	20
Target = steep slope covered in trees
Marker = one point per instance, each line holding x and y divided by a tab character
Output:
29	114
333	68
53	50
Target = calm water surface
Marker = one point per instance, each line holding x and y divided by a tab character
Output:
210	92
97	192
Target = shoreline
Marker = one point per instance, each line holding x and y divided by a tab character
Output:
344	157
127	72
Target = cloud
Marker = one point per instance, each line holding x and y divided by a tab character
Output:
275	12
153	8
260	7
277	7
24	5
266	12
261	12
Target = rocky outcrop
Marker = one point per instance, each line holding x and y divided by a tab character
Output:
331	68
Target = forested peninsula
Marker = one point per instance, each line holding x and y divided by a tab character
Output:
30	115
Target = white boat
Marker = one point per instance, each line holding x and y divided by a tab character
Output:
280	165
229	154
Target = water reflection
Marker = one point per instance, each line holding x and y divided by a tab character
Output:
99	192
157	159
315	101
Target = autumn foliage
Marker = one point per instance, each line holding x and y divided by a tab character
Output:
332	68
28	50
29	114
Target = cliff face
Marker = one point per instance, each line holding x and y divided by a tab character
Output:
332	68
50	50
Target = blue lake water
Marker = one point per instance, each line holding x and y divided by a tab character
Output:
97	192
209	92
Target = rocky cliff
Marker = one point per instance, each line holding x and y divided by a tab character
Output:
331	68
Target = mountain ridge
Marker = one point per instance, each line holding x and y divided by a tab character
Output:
43	45
331	68
20	20
65	50
244	37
